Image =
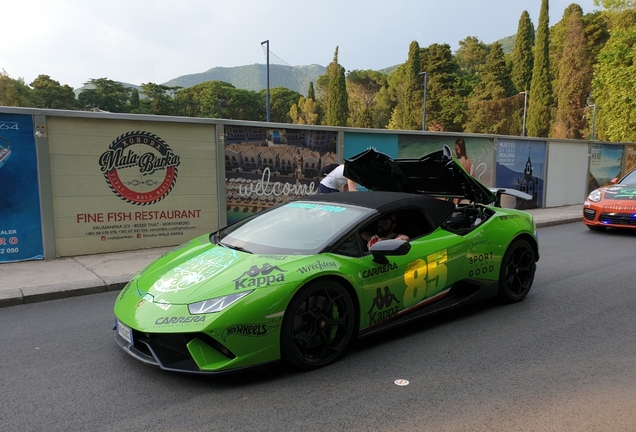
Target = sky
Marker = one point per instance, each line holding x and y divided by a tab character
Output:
143	41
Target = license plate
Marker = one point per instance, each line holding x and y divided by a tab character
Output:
125	332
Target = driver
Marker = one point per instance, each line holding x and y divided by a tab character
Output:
386	229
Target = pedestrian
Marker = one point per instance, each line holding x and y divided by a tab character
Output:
335	181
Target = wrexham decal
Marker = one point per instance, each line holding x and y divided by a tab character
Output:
257	277
383	306
251	330
318	265
140	168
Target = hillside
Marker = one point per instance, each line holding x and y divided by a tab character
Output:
254	77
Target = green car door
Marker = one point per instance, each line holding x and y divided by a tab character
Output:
424	274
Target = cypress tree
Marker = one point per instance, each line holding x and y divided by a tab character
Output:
408	90
522	56
337	105
488	105
541	98
573	83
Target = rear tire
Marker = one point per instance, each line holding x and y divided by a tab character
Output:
517	272
318	325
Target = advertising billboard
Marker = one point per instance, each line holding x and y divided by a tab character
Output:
125	185
20	216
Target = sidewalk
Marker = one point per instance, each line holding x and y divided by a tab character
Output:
41	280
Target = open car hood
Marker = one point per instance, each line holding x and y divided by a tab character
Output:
436	174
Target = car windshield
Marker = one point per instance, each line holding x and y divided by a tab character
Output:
300	228
630	179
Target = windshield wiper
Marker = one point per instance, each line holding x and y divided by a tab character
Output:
238	248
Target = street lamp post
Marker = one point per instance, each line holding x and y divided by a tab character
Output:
424	108
525	104
267	97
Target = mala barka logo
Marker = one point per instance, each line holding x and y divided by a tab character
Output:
140	168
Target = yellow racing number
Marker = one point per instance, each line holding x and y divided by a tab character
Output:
424	279
415	280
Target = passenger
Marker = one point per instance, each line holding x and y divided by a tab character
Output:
386	229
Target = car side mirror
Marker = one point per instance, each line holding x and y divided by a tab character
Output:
384	248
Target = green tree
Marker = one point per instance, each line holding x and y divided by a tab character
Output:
471	55
615	75
363	88
304	112
558	39
572	86
281	101
14	92
541	98
489	106
218	99
48	93
337	99
135	106
446	90
522	57
106	95
159	99
407	90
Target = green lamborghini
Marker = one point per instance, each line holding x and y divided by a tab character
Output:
301	282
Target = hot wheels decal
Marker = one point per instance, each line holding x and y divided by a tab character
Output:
251	330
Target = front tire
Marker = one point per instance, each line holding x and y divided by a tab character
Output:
517	272
318	325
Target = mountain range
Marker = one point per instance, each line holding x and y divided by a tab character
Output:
254	77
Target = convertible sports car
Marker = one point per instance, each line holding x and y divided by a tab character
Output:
612	206
298	283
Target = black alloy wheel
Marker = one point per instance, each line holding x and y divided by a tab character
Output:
517	272
318	325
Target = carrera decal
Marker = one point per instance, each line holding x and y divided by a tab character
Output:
251	330
196	270
257	277
144	154
376	271
425	278
179	320
385	305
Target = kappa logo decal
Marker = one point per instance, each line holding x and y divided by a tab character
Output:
140	168
382	307
257	277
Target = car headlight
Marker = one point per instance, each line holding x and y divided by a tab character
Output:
216	304
594	196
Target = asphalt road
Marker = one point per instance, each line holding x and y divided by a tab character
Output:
561	360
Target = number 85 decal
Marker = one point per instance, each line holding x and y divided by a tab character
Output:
425	278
